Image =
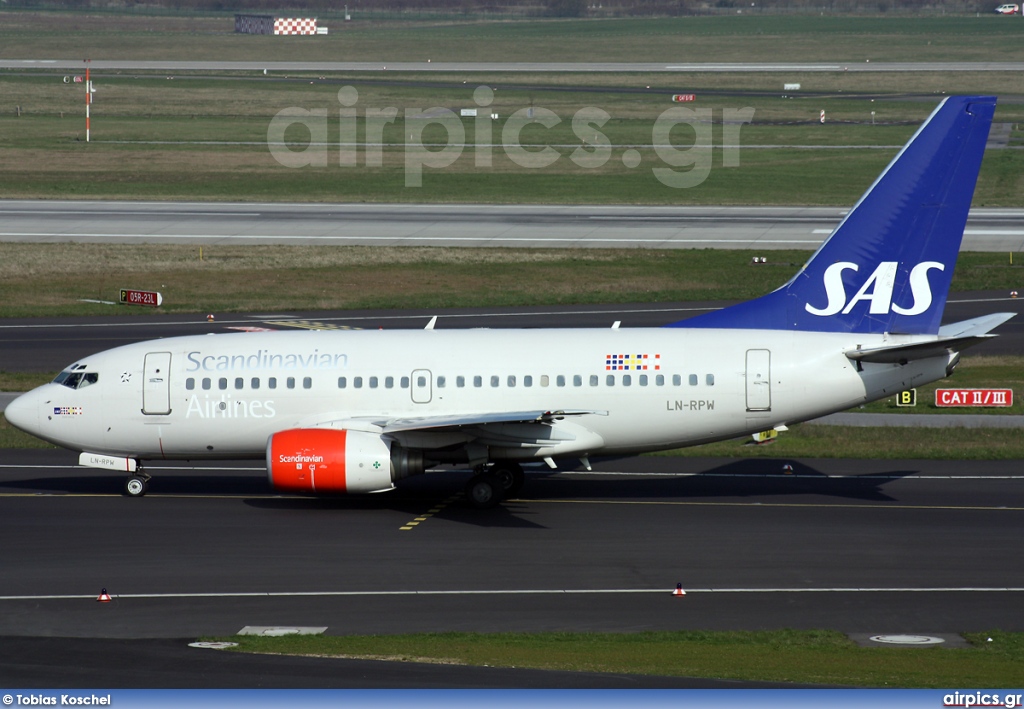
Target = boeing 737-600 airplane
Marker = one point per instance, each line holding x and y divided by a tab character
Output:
357	411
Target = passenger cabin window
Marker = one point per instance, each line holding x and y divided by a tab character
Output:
528	381
478	381
404	382
272	383
460	381
594	380
693	380
373	383
441	382
389	382
357	382
577	380
290	382
560	380
511	380
342	382
710	380
494	381
610	380
206	382
627	380
677	380
421	381
543	380
660	380
239	382
190	384
255	382
643	380
307	383
222	383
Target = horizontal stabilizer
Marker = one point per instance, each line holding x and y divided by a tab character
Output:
975	326
953	338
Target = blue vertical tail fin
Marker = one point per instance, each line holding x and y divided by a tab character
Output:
888	265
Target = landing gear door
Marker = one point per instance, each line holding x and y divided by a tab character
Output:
759	380
156	384
421	386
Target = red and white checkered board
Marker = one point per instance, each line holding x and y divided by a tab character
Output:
295	25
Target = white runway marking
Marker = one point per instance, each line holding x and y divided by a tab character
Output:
515	592
424	239
816	476
119	212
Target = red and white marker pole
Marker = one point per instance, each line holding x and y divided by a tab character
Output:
88	99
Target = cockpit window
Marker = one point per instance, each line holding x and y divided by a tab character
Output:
72	380
76	379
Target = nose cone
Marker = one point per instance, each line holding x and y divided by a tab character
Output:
23	412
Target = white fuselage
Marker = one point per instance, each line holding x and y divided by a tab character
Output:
223	396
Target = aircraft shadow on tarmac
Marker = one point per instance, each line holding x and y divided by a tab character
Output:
730	481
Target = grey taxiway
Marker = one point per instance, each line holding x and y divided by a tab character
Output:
455	225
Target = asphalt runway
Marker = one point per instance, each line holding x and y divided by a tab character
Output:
766	228
861	546
510	67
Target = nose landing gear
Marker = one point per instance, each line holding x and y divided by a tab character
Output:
137	484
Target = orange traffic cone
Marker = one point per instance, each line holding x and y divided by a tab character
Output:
104	597
679	590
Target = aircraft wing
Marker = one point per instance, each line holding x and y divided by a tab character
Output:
543	433
952	338
457	421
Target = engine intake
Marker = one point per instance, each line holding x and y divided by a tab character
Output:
327	460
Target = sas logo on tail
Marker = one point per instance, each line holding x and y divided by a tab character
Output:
877	289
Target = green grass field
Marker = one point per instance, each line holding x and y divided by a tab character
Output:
731	38
996	659
42	155
293	277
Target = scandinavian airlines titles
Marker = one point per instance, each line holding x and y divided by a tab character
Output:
265	359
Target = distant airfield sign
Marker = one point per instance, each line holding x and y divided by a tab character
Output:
141	297
683	98
974	397
907	398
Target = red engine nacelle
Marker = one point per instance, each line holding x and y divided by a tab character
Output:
337	461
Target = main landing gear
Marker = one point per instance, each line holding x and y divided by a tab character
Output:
137	484
492	485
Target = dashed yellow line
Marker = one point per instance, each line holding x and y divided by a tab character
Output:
428	514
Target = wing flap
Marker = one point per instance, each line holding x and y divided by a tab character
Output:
457	421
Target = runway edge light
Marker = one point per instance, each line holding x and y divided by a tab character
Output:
679	590
104	597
